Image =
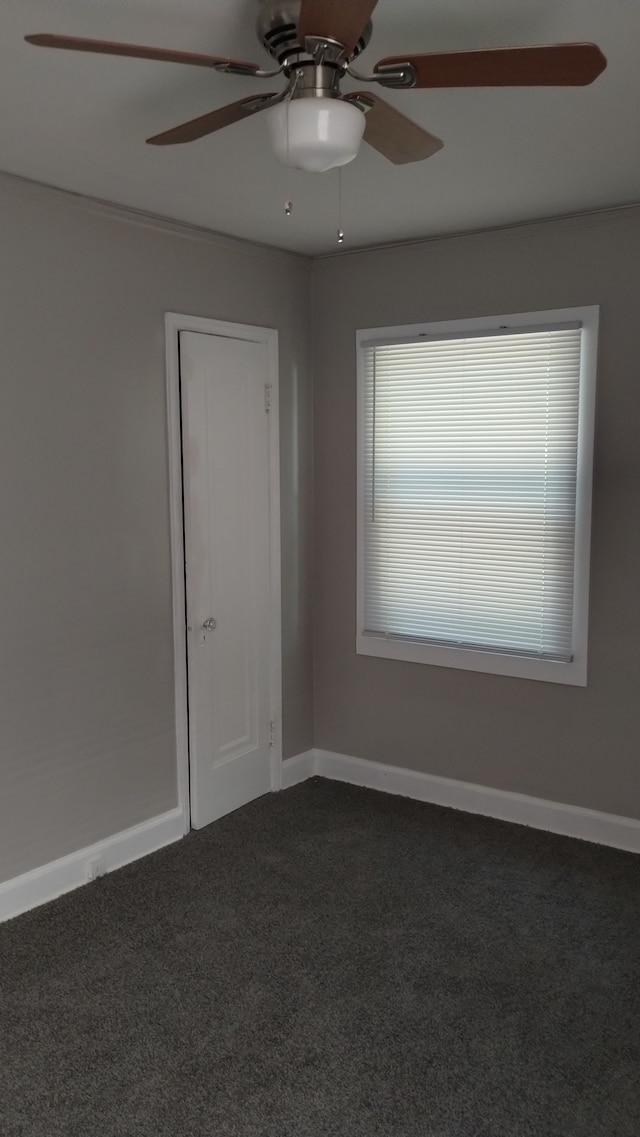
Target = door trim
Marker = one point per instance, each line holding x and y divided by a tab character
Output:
174	324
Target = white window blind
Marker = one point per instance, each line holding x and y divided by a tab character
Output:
469	492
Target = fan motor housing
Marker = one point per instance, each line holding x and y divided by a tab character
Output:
277	28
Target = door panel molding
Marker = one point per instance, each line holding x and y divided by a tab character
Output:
174	324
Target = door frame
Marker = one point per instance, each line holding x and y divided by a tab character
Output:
174	324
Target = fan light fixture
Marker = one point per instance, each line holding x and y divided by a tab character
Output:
314	44
315	134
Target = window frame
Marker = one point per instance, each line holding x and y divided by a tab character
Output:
573	672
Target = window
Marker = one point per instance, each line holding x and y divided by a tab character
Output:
474	497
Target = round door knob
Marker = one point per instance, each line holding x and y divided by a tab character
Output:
210	625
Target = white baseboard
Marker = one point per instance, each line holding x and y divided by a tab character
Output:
554	817
298	769
51	880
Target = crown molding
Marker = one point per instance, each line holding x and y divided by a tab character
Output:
141	218
518	230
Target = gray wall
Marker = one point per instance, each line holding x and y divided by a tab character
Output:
86	686
572	745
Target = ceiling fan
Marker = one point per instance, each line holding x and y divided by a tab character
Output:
312	124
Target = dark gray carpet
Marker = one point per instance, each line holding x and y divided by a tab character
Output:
332	961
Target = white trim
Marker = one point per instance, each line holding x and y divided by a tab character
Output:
174	324
516	231
298	768
550	816
584	485
270	337
176	519
468	659
51	880
573	673
129	215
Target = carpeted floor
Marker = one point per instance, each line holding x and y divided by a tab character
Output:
331	961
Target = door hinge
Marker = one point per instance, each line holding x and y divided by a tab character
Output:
268	388
272	732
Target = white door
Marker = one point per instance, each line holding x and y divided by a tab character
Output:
226	392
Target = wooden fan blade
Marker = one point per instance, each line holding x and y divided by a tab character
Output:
392	134
214	120
341	20
104	47
558	65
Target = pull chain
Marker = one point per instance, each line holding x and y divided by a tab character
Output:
288	205
340	229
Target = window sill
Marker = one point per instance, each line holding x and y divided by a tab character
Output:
573	674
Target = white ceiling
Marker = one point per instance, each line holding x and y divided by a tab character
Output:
80	121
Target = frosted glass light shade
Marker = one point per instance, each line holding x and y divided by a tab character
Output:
315	134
